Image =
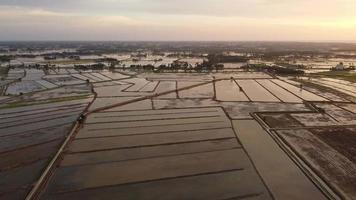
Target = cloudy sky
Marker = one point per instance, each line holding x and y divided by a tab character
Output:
277	20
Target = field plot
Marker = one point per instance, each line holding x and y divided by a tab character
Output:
46	84
165	86
109	83
125	89
308	96
14	76
33	74
265	154
341	82
29	138
73	91
183	103
109	101
204	91
329	153
72	71
81	77
138	105
62	71
52	72
91	77
255	91
227	90
347	89
102	77
3	99
63	79
236	110
140	161
326	94
314	119
328	115
242	75
15	73
243	110
343	116
23	87
281	93
3	83
78	92
149	87
280	120
177	77
350	107
138	83
114	75
110	91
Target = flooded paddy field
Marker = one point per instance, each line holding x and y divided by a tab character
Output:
323	140
242	75
262	90
112	90
204	91
314	119
348	88
30	136
348	106
15	73
47	84
325	152
48	96
235	110
228	90
33	74
137	84
255	91
306	95
150	86
266	154
176	76
152	154
342	82
148	132
101	102
326	94
279	92
341	115
23	87
165	86
329	115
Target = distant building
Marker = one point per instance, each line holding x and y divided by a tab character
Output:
340	66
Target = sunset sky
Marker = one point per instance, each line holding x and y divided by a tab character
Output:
270	20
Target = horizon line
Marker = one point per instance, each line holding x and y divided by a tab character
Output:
280	41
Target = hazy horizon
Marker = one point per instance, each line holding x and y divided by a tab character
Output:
182	41
162	20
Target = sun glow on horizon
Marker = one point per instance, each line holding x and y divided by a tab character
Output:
178	20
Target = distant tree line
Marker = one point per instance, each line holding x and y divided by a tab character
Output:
96	66
221	58
206	66
275	69
6	58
